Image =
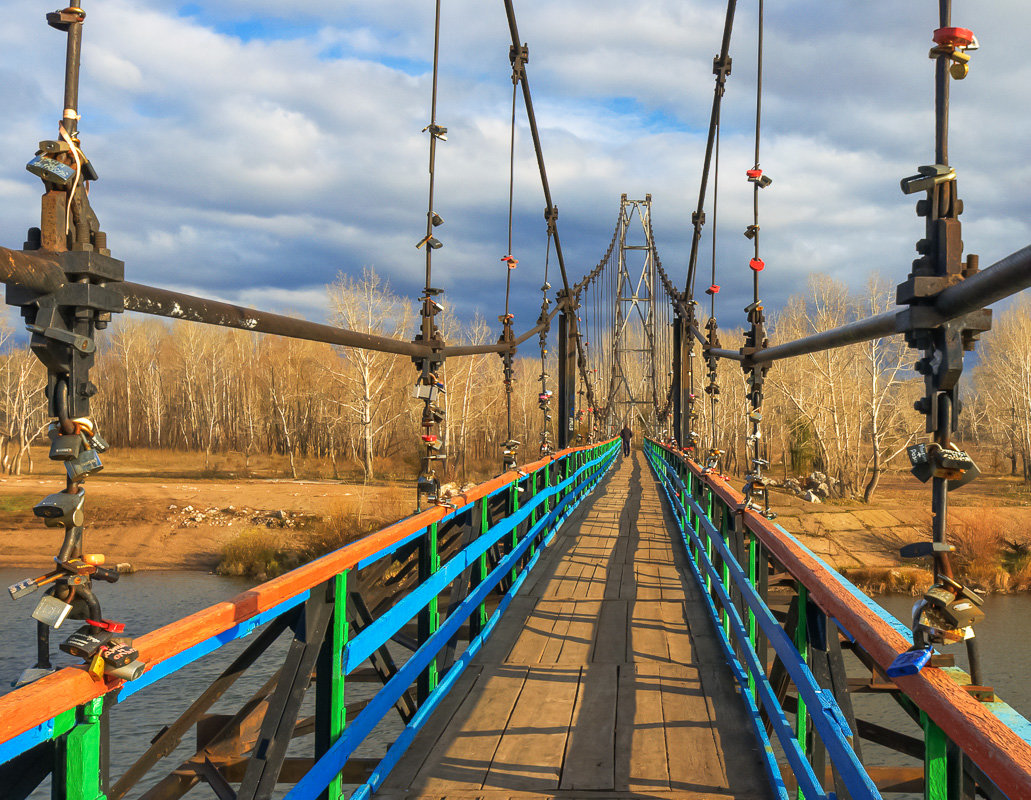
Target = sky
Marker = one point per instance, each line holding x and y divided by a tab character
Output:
251	151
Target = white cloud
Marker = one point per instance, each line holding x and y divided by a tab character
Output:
251	150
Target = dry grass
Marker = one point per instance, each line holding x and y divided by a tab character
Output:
980	548
259	553
266	552
1020	577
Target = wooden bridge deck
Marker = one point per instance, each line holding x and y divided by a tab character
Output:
603	679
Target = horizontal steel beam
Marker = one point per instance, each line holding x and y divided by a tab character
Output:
40	271
176	305
997	282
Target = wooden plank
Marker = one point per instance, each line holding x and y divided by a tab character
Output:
501	640
694	762
647	575
613	578
628	580
535	634
589	761
641	764
584	620
611	636
647	638
460	759
529	755
677	632
562	613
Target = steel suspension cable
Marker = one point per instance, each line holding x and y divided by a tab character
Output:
429	382
721	69
755	340
550	210
510	449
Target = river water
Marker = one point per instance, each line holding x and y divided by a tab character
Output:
148	600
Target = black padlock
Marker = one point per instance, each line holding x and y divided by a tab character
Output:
65	447
118	654
61	509
85	642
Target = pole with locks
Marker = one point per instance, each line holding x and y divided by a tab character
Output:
948	609
63	324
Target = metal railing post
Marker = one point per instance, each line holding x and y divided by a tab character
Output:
478	574
513	542
79	771
330	709
936	772
429	618
801	641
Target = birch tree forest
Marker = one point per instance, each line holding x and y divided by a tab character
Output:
187	387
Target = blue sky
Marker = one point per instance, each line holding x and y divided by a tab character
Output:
252	150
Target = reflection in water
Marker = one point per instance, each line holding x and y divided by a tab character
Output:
148	600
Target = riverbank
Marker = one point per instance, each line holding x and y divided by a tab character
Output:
172	512
989	523
157	523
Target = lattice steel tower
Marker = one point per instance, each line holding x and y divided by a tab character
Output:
634	394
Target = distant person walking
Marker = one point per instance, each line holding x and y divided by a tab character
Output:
626	434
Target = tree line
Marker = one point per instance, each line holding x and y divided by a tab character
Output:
847	412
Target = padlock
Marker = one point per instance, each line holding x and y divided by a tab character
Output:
54	147
927	178
127	672
931	460
86	464
923	549
98	442
85	642
22	588
118	654
89	172
61	509
51	611
909	662
423	391
51	170
65	447
427	485
955	608
96	666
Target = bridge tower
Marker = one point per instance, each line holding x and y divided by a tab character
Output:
634	379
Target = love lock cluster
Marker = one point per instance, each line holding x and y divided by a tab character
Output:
69	587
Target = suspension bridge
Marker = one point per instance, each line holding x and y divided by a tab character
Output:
590	623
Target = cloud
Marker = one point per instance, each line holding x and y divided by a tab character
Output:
251	150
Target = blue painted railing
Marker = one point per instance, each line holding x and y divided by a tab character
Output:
56	725
967	746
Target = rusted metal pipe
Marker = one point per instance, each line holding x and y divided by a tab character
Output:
1002	279
176	305
40	271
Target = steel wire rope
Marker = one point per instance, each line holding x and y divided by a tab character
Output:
713	388
550	210
510	262
721	69
427	483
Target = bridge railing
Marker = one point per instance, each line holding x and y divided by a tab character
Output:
485	544
971	742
